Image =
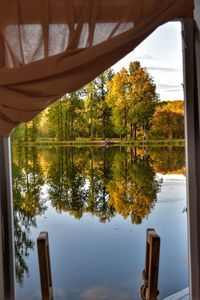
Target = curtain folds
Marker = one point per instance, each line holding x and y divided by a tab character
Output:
52	47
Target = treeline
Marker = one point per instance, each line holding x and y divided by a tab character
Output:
124	105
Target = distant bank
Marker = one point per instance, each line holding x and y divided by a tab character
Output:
104	143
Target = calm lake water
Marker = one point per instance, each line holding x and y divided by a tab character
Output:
96	204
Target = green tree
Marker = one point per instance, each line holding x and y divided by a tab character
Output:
64	116
28	131
97	110
73	114
104	111
91	105
55	119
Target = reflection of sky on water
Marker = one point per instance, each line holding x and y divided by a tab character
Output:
91	260
173	189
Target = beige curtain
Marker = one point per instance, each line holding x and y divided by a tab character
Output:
52	47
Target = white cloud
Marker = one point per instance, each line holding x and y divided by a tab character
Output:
167	86
146	56
163	69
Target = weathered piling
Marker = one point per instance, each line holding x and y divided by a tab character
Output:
44	266
149	290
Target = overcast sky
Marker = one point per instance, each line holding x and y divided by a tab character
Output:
161	54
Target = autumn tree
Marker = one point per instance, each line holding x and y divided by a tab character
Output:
132	97
118	101
168	121
143	97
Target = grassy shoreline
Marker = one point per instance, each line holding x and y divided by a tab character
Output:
102	143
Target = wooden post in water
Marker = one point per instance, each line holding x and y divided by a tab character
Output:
149	291
45	266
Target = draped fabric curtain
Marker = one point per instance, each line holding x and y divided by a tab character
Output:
52	47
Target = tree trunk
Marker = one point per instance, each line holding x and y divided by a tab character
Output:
91	128
125	124
145	154
131	133
135	132
72	129
26	133
135	153
145	133
60	121
104	125
66	129
26	170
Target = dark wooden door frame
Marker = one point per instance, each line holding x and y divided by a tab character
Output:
191	64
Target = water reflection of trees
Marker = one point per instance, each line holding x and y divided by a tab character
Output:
102	182
27	183
134	187
168	160
98	176
98	181
66	181
77	182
